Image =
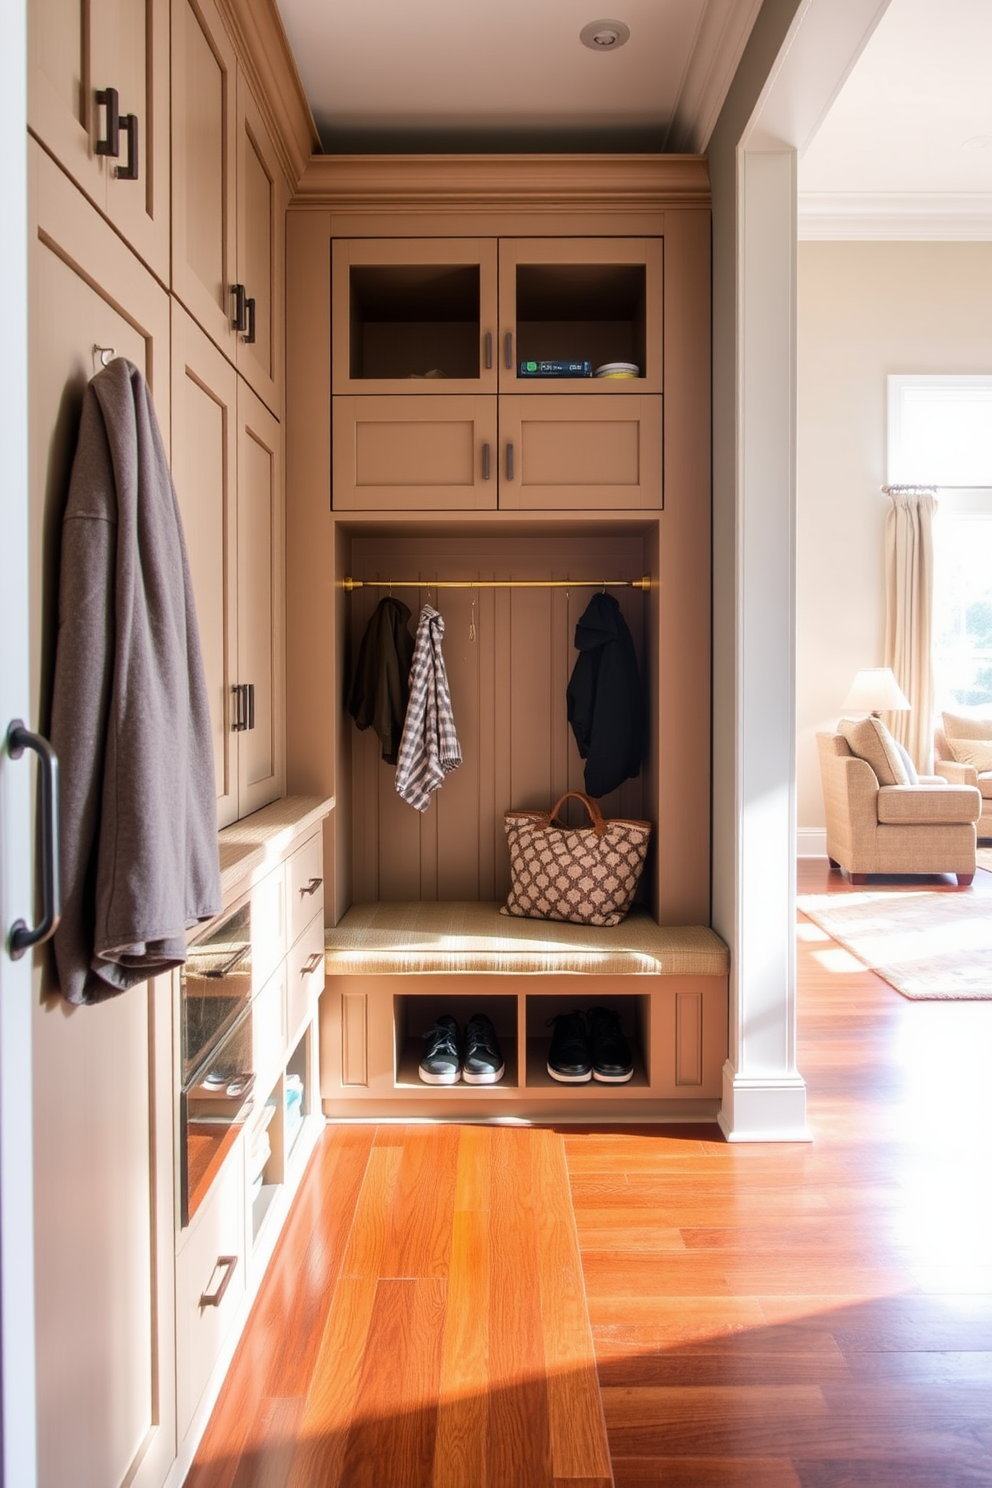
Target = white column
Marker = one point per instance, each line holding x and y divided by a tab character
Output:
764	1096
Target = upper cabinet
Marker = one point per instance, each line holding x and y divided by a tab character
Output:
229	199
559	340
98	99
227	465
472	315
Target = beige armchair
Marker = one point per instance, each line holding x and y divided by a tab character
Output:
962	747
873	828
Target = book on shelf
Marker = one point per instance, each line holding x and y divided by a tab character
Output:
554	367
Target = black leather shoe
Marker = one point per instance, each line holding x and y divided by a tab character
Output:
483	1061
568	1059
611	1058
441	1064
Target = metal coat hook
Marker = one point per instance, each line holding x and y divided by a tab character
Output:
471	623
105	354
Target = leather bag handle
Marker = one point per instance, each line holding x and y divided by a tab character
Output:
595	815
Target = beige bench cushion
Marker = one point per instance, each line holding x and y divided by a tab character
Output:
390	939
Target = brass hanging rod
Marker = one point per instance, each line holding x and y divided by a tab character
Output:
642	583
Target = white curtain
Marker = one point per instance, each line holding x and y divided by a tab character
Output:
909	614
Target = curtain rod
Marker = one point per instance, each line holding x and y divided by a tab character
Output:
642	583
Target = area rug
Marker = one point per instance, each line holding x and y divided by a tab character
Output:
929	946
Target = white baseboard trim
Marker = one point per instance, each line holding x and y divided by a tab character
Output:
760	1108
811	842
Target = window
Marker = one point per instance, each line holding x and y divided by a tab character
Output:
940	434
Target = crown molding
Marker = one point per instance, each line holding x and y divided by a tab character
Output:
908	216
263	50
463	183
719	44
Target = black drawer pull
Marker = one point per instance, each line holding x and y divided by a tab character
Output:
129	172
312	886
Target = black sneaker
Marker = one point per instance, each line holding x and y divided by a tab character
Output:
568	1058
441	1064
483	1061
611	1058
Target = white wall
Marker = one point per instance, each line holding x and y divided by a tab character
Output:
864	310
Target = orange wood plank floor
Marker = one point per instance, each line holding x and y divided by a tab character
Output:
800	1316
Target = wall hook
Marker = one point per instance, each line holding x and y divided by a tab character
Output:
104	354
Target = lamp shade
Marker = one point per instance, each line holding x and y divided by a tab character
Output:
875	690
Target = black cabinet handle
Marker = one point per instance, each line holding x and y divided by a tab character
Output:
240	322
486	463
311	887
240	707
509	462
251	705
489	350
108	99
508	346
249	320
21	937
129	172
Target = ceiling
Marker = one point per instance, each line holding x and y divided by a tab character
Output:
455	76
906	149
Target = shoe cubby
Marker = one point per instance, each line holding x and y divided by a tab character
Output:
634	1012
413	1015
265	1169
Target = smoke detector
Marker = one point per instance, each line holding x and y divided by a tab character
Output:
604	36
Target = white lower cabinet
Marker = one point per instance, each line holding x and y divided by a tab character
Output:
248	1167
210	1283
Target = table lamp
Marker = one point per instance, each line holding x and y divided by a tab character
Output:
875	690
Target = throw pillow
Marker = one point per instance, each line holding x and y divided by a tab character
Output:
871	741
977	752
957	726
907	763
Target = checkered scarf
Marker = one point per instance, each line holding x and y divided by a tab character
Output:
429	747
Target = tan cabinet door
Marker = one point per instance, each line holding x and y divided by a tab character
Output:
262	195
585	299
414	454
414	315
228	475
261	603
205	472
77	50
562	453
204	191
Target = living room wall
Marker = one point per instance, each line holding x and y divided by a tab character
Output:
865	309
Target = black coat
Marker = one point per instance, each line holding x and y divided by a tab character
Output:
380	691
605	702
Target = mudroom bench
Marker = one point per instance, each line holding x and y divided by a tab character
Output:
393	968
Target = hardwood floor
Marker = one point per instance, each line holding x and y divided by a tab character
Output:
797	1316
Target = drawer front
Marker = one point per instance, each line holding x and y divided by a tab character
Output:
268	1032
304	977
305	885
210	1283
